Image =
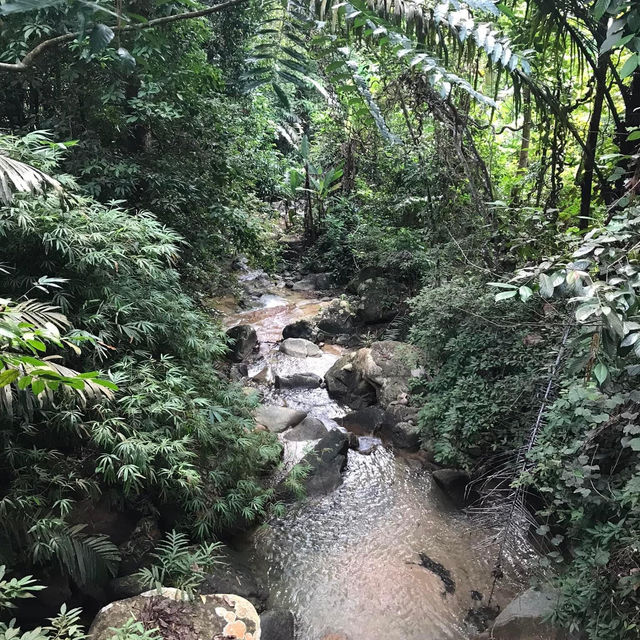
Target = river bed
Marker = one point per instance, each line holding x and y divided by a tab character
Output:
348	563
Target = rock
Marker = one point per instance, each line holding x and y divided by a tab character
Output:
299	381
265	375
384	424
402	435
346	383
276	418
238	371
380	373
365	421
309	429
522	619
326	461
126	587
300	329
136	551
336	636
336	319
308	283
299	348
379	299
245	340
210	616
323	281
236	576
277	624
354	441
454	483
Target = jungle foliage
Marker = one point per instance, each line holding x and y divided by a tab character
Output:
481	156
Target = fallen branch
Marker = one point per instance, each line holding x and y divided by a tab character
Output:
29	59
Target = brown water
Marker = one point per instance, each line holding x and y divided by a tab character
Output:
344	563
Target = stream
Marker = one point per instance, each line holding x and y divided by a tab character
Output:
347	564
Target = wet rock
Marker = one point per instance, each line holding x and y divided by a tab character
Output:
238	371
308	283
380	299
325	462
299	381
300	329
265	375
354	441
454	483
323	281
244	339
210	616
309	429
276	418
384	424
364	421
300	348
346	383
523	618
136	551
277	624
236	576
380	373
337	319
402	435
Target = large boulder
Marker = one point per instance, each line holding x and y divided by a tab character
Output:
245	339
309	429
379	300
299	381
384	424
524	618
277	624
455	484
209	616
325	463
380	373
300	348
300	329
337	319
276	418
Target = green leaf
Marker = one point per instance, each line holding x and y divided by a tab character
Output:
525	293
282	96
546	286
101	36
8	376
634	135
634	443
600	8
629	66
601	371
504	295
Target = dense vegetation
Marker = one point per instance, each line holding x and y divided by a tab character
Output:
480	156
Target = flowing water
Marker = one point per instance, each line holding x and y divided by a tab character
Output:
348	563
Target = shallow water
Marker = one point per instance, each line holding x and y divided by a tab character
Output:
345	563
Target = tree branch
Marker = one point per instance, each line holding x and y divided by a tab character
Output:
29	59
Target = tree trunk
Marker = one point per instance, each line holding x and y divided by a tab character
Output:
589	154
525	145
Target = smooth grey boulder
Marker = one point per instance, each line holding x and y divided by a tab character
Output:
380	299
308	283
300	329
383	424
299	381
300	348
276	418
402	435
365	421
277	624
309	429
455	484
346	384
336	319
524	618
245	339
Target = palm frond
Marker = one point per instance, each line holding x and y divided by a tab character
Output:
22	177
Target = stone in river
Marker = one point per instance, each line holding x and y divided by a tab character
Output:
299	348
299	381
277	624
277	419
300	329
244	339
309	429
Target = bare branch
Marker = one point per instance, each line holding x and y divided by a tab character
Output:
30	58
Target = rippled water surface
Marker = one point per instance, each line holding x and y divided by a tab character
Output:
344	564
